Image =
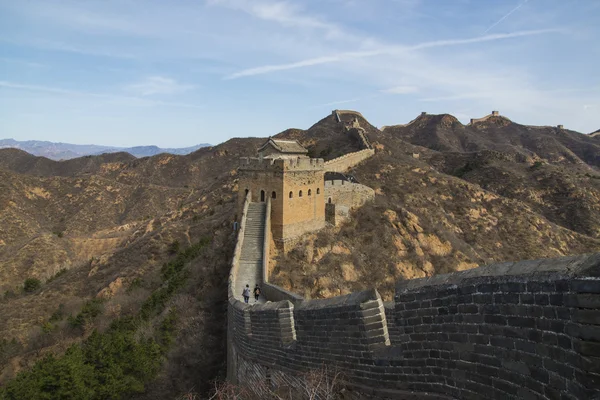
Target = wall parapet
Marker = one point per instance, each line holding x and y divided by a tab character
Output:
280	164
482	119
349	112
515	330
347	161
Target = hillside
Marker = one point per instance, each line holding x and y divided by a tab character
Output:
477	194
66	151
113	227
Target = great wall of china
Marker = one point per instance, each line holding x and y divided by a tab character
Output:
513	330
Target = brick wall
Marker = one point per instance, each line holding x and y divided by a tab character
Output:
507	331
347	194
347	161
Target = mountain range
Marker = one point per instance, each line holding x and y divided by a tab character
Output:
66	151
108	229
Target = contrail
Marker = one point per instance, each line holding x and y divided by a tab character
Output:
506	16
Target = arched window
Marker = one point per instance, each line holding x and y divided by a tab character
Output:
273	195
318	190
246	192
329	201
291	195
262	195
300	193
309	192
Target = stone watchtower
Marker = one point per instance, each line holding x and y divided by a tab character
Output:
293	181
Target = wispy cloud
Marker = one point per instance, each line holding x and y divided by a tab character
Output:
388	50
401	90
157	85
333	103
133	100
282	12
504	17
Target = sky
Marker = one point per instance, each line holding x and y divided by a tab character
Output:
175	73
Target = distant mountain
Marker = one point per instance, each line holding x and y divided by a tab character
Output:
66	151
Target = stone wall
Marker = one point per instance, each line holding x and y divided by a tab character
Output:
349	112
493	114
347	194
507	331
347	161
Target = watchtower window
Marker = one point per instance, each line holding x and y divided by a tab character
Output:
262	195
273	195
246	192
329	201
300	193
309	192
318	190
291	195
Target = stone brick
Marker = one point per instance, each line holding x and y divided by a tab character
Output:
488	288
589	349
587	316
586	286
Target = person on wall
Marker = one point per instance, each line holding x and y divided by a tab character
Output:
246	294
256	292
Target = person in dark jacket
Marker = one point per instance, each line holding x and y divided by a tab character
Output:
256	292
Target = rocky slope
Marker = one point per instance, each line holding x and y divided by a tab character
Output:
448	197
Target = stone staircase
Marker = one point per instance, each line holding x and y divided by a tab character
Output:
251	258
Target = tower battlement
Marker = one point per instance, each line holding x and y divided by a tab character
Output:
281	164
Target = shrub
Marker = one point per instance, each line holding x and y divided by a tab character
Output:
89	311
59	314
61	272
174	247
31	285
537	165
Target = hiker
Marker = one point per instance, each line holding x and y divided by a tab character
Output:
256	292
246	294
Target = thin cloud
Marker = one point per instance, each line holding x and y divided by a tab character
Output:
157	85
131	99
283	13
333	103
401	90
390	50
505	16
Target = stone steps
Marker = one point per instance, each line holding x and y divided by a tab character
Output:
251	258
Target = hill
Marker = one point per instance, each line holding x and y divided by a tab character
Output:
106	236
66	151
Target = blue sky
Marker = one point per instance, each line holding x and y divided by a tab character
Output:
181	72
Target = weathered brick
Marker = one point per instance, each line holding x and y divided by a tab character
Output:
483	298
587	316
542	299
526	298
521	322
502	342
561	369
589	349
586	286
495	319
